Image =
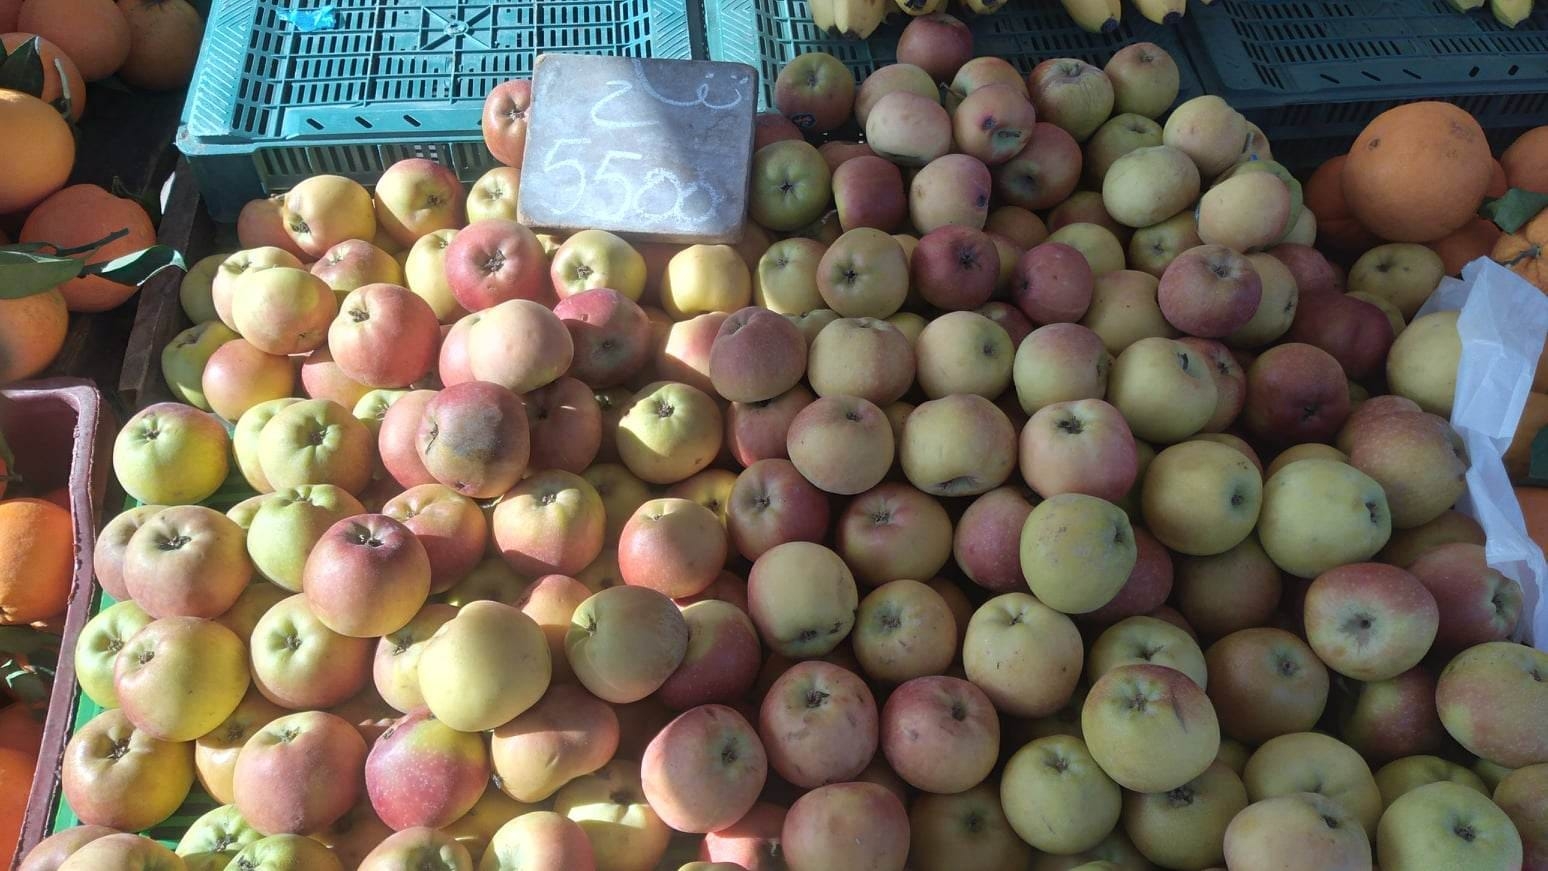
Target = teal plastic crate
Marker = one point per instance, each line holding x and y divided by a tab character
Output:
770	33
286	89
1312	73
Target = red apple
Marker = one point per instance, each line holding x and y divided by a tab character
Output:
611	336
367	576
723	657
421	772
384	336
299	774
1296	393
565	426
704	770
495	260
673	546
770	504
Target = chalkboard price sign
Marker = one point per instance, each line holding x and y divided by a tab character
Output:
655	149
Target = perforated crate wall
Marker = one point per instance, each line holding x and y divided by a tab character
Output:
1323	68
272	103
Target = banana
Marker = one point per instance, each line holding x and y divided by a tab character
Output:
822	14
983	7
858	19
1094	16
1162	11
1510	12
920	7
1466	5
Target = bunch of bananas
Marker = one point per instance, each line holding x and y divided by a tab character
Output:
1507	12
1101	16
858	19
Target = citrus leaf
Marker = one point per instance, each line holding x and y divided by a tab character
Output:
137	268
22	69
25	273
1512	211
26	641
1537	469
145	199
114	236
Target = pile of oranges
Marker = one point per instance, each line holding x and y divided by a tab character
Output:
1419	173
150	44
36	566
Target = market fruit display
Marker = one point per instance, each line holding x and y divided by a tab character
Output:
1039	498
49	51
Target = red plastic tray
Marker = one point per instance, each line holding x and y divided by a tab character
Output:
62	436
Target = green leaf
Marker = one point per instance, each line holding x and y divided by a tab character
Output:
26	641
147	200
1537	470
89	247
24	273
1512	211
22	69
138	267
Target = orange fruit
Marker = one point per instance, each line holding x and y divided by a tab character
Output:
39	151
1336	227
1417	172
1498	184
79	215
16	770
1473	240
54	61
164	38
1534	507
37	561
1525	252
20	729
1526	161
32	330
1534	416
92	32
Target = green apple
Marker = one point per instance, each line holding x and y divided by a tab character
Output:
1446	825
215	838
316	441
289	523
286	853
98	645
244	440
791	185
183	359
171	454
197	292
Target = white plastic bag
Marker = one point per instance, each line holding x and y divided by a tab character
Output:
1502	323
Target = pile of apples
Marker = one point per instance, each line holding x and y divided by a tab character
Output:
1033	500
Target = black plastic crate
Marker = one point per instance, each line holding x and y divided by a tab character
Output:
1321	69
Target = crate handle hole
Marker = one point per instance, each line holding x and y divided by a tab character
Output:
1472	73
1513	70
411	120
363	122
1413	75
314	124
1331	79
